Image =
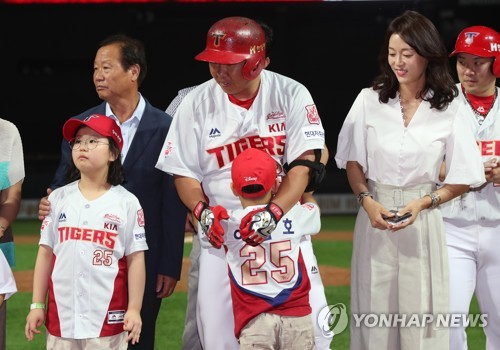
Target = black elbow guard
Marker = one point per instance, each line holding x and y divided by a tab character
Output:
317	171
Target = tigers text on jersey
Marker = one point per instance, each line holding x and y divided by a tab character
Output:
212	131
90	241
270	277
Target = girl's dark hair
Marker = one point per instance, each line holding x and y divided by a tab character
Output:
115	172
418	32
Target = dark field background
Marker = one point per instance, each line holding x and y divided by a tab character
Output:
331	47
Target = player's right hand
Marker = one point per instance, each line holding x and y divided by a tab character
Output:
35	319
215	234
44	206
203	213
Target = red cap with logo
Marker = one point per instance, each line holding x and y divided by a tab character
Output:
253	167
99	123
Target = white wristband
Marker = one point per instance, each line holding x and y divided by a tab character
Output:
37	306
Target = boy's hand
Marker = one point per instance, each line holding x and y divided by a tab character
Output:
133	325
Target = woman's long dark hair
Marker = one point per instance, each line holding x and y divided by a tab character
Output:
418	32
115	172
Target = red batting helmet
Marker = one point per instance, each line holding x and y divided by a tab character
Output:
233	40
480	41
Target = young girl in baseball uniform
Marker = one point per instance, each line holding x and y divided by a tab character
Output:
268	276
392	144
90	263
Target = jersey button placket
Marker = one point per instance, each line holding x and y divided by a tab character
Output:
84	223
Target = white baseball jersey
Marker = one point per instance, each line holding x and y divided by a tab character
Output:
207	133
7	281
272	276
373	134
472	223
483	205
90	241
210	131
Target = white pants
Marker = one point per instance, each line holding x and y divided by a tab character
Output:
474	257
214	309
190	337
317	297
399	273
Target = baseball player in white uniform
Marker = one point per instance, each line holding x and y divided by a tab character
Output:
91	261
472	221
244	106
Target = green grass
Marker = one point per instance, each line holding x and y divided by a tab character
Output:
335	295
25	256
26	227
337	223
171	318
333	253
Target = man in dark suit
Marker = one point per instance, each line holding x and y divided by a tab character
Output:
119	69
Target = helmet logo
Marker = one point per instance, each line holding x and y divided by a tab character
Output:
495	47
257	48
469	37
218	36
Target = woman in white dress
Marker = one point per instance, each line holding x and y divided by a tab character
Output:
392	143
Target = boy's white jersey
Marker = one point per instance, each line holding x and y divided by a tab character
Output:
271	277
270	268
483	205
90	241
212	130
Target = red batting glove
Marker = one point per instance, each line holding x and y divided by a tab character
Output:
215	233
257	225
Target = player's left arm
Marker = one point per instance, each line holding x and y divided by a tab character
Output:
136	282
297	179
294	184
